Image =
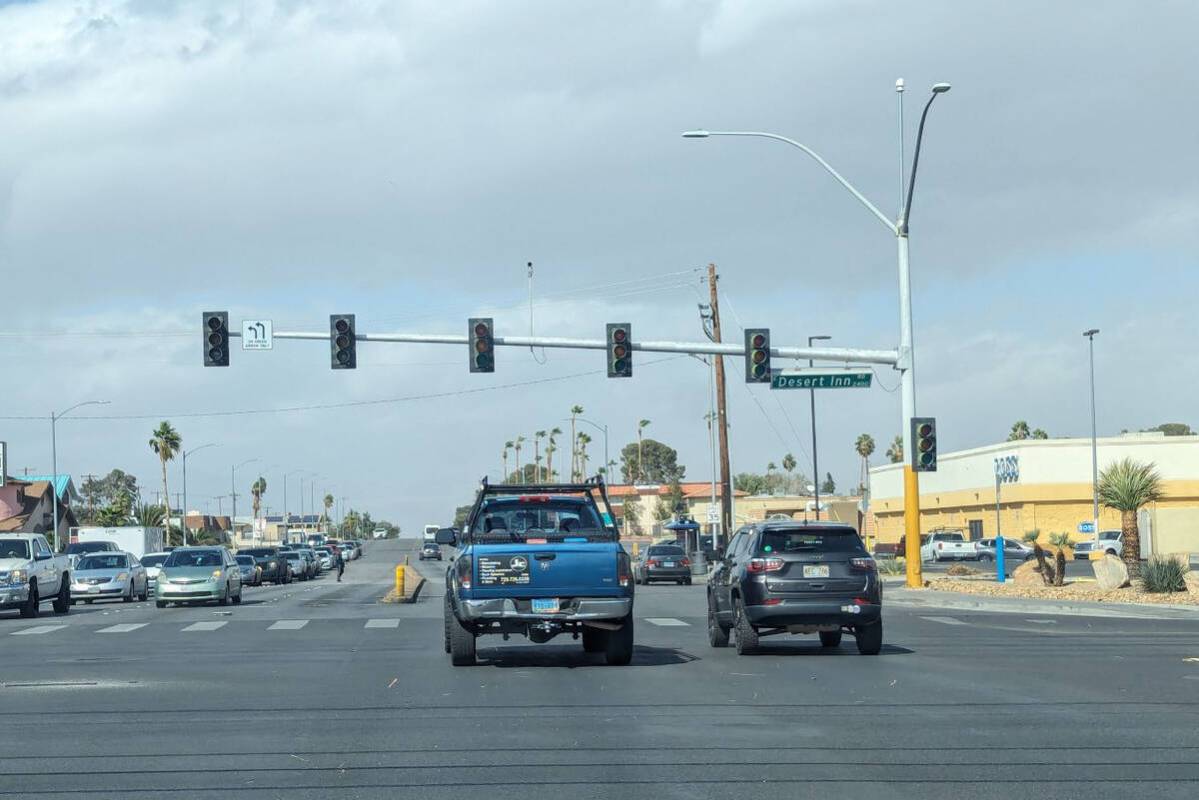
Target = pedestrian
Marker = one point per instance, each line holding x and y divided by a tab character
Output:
341	565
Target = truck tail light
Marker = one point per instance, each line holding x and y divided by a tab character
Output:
764	564
623	576
465	571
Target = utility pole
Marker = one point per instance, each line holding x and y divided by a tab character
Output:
91	497
726	487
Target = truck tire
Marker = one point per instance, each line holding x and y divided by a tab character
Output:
870	638
62	601
30	609
830	638
595	640
618	650
746	636
462	644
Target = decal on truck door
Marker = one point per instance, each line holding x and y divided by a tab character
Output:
503	570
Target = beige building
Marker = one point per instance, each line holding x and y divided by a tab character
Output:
1045	485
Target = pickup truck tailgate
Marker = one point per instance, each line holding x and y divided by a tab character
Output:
560	569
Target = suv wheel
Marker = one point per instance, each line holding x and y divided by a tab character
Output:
870	638
830	638
595	640
747	637
619	648
718	636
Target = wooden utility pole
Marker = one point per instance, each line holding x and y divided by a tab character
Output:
726	482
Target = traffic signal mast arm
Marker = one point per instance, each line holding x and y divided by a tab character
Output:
889	357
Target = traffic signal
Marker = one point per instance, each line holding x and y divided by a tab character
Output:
216	338
343	342
757	355
620	351
482	344
924	444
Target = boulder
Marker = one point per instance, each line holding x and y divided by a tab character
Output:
1192	582
1027	575
1110	573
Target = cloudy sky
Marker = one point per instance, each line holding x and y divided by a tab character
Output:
404	160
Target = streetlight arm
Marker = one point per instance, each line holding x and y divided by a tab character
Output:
828	168
62	414
907	204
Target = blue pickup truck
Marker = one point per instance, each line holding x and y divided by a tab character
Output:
539	561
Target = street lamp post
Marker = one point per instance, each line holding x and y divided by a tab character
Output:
1090	334
604	430
233	488
54	418
815	464
906	362
183	511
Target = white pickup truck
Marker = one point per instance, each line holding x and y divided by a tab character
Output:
31	574
947	546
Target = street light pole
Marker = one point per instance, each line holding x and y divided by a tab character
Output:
1090	334
905	362
183	511
815	465
58	544
604	430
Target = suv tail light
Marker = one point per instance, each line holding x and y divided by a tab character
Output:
764	564
940	545
862	564
466	570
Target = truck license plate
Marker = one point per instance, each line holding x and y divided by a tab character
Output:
547	606
815	571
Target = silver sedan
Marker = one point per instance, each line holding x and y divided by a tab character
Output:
100	576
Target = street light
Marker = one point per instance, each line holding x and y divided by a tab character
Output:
603	429
906	362
812	393
183	511
233	488
1090	334
54	460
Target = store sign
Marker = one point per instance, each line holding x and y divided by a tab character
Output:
1086	527
1007	469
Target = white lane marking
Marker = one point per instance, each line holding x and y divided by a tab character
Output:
124	627
37	630
664	621
382	623
206	626
945	620
288	625
1042	621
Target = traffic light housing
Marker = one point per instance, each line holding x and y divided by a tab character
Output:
757	355
924	444
343	342
481	334
620	350
216	338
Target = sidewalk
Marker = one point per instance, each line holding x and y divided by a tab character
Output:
895	593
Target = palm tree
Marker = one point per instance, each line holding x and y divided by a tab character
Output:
519	476
641	425
1019	431
895	451
257	490
549	452
864	447
165	442
1126	486
328	501
507	447
575	411
584	440
537	437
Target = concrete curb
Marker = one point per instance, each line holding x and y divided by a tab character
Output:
931	598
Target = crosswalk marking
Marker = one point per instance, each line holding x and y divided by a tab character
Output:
288	625
206	626
37	630
945	620
124	627
664	622
382	623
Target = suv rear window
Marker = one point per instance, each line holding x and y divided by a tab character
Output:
809	540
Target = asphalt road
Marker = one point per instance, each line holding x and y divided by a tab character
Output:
317	691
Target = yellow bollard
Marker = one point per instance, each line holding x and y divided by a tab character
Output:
635	548
400	580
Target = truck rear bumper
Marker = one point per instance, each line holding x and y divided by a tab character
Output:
584	608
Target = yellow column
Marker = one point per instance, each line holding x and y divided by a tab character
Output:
400	580
911	526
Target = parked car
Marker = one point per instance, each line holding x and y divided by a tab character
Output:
1012	550
663	562
153	562
76	549
199	574
783	576
31	574
430	550
314	563
274	567
251	573
325	555
348	551
295	563
947	546
98	576
1110	542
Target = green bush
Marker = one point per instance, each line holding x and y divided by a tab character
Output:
1059	539
892	566
1164	575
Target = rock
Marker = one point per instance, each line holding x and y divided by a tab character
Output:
1027	575
1192	582
1110	573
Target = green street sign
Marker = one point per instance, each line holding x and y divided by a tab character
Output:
821	379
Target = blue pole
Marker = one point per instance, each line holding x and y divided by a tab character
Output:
999	571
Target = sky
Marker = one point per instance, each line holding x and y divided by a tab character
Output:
403	161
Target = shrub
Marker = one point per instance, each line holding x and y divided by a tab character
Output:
892	566
1164	575
1031	536
961	569
1059	539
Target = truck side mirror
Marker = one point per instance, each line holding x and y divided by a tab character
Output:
446	536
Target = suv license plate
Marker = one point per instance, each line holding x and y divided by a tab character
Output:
545	606
815	571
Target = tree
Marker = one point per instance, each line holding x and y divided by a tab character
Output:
1039	433
1126	486
632	516
828	487
789	463
257	490
328	503
537	437
584	440
641	426
1019	432
658	461
662	510
519	441
895	451
507	447
751	483
529	473
550	449
575	411
165	442
675	499
117	512
1171	429
864	447
115	488
460	515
